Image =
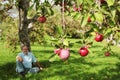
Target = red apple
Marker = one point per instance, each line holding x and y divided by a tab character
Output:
79	9
107	53
83	51
89	19
102	1
64	54
58	51
75	8
99	37
42	19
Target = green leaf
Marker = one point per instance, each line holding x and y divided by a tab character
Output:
84	20
76	16
59	29
54	39
98	17
95	28
105	12
49	11
90	2
65	42
110	2
37	6
113	12
79	2
73	13
30	8
47	37
108	31
118	8
52	12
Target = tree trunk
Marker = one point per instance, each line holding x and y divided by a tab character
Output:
23	23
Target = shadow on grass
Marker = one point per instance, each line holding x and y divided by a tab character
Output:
73	69
7	71
43	51
76	70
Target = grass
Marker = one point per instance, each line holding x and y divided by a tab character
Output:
95	66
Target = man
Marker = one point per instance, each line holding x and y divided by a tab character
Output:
25	61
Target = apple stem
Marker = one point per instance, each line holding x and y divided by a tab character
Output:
96	33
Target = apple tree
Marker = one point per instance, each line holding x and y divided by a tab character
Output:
97	18
23	7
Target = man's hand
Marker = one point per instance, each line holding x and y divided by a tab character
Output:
40	68
19	58
38	64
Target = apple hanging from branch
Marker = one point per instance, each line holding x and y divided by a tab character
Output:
89	19
99	37
107	53
64	54
58	51
42	19
75	8
83	51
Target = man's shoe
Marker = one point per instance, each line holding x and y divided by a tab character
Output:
22	74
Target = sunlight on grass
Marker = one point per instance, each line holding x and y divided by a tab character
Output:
95	66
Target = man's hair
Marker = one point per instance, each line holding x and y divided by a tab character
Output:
23	46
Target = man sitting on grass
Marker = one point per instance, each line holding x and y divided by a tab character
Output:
25	61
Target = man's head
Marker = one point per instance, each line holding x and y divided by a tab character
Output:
24	49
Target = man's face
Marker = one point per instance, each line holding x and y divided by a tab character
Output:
25	49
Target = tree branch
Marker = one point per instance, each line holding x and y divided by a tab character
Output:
34	19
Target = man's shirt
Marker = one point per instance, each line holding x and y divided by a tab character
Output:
27	59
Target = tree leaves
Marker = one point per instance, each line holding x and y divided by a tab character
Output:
113	12
59	29
98	17
104	17
65	42
110	2
84	20
49	11
79	2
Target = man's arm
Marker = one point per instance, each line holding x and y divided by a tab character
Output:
35	62
38	64
19	58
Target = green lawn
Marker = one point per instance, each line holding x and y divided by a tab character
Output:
95	66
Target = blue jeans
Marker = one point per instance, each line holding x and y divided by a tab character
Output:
20	68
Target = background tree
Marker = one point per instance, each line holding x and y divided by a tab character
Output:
101	16
23	7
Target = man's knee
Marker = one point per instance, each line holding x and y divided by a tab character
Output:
19	67
34	70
